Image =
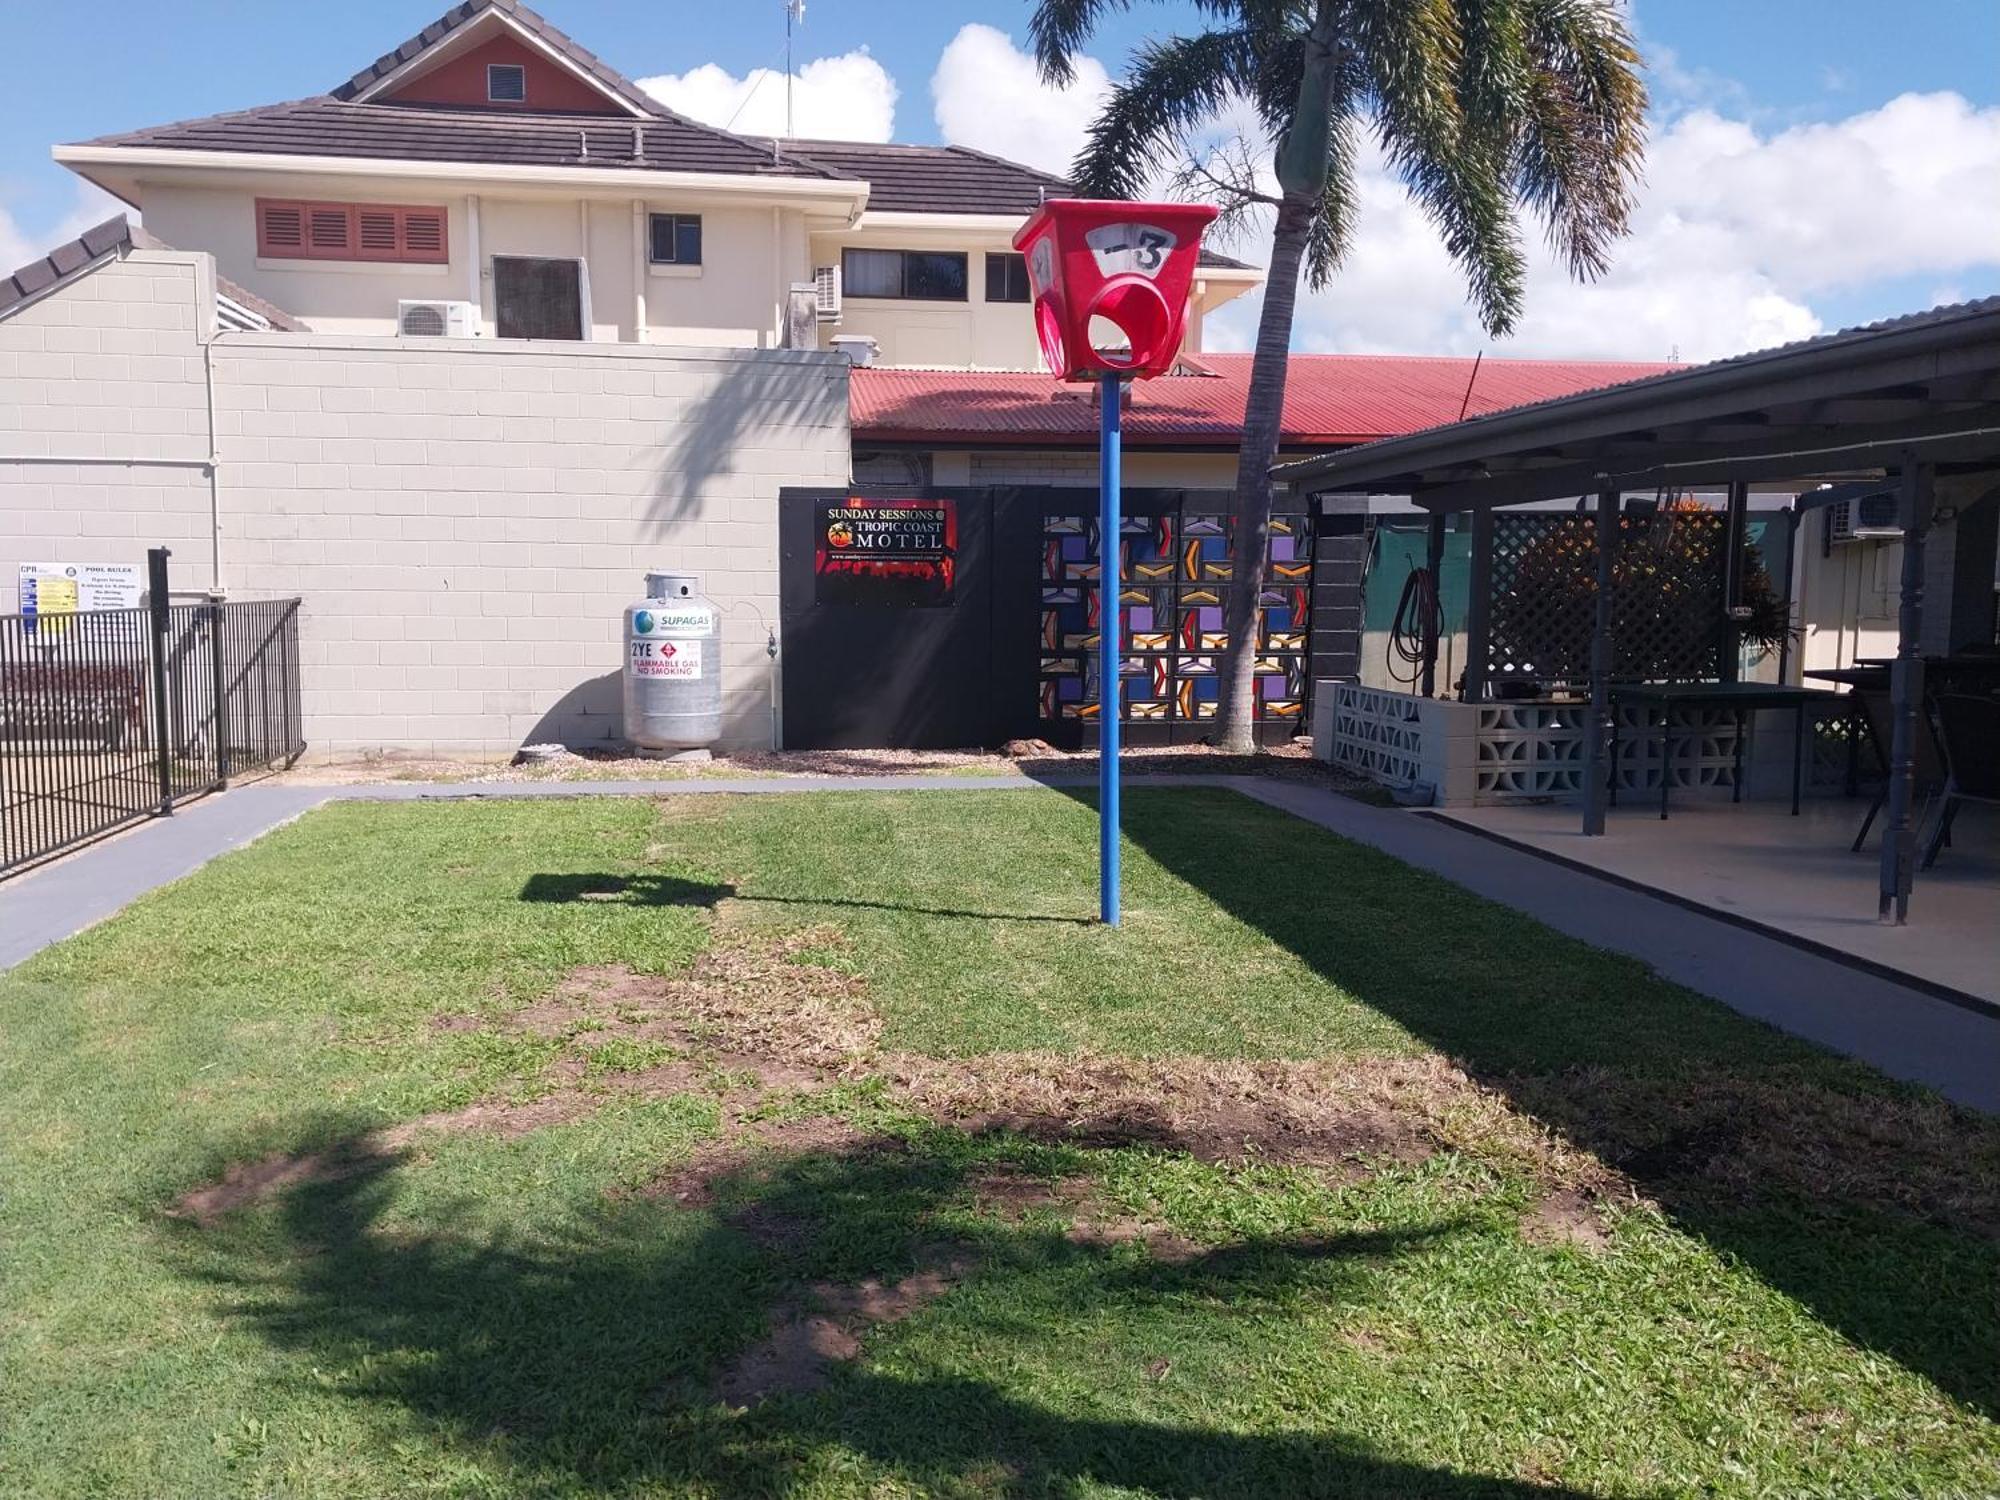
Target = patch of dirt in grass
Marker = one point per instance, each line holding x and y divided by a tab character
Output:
1338	1117
1566	1218
1737	1141
244	1183
751	1005
1108	1232
736	1156
806	1340
1013	1194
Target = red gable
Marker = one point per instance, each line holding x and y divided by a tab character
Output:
549	87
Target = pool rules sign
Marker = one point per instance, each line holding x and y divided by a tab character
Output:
896	553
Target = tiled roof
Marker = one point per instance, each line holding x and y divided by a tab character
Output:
944	180
932	179
64	261
552	37
105	239
329	127
1330	400
902	179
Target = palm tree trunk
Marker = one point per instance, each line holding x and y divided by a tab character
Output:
1263	415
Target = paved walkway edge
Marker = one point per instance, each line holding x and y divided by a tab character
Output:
1903	1031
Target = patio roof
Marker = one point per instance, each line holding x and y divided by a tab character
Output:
1842	404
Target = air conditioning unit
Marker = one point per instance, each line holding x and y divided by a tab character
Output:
826	293
1865	518
437	320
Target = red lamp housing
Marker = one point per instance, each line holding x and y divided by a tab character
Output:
1131	264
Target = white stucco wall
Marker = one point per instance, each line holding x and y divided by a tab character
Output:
464	520
732	300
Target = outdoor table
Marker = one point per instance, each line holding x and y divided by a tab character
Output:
1867	675
1740	698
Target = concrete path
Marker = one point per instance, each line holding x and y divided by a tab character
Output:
1904	1032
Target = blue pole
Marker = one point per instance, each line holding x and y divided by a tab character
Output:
1109	586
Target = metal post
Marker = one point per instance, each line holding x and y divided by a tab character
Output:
1597	762
1906	696
1479	605
1794	519
158	599
219	685
1109	699
1735	521
1434	563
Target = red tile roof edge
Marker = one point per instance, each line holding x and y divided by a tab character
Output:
1331	400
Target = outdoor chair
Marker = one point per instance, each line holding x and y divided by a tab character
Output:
1969	725
1926	759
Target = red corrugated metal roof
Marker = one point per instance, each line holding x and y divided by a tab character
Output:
1330	400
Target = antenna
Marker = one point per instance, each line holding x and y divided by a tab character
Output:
795	14
1466	405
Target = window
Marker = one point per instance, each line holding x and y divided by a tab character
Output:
676	239
1007	277
506	83
387	232
537	299
918	275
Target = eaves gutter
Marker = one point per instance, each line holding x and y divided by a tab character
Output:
1221	440
850	193
1680	395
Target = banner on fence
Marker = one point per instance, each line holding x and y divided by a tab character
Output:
890	552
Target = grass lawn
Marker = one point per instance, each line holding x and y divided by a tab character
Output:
819	1145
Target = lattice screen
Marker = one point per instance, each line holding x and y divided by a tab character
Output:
1174	570
1667	610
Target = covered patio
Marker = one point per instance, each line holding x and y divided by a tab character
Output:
1605	687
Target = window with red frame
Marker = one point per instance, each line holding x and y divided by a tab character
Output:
393	233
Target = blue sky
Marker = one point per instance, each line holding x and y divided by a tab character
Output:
1772	68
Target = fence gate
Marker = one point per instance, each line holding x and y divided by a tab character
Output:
954	617
115	715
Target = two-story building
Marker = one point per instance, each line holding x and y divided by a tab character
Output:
490	177
457	350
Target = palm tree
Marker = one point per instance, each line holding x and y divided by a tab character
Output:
1485	108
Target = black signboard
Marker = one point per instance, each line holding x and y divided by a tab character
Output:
894	553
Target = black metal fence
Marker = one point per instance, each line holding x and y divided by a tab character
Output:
116	715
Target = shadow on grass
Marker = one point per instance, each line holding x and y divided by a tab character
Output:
587	1356
670	890
625	890
1870	1203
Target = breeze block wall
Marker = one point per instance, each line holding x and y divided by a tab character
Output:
104	420
464	519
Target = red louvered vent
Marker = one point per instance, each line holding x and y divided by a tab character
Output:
384	232
423	234
329	228
281	228
376	233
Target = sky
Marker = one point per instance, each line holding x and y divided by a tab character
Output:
1812	164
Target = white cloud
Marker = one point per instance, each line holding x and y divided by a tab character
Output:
988	94
22	242
1737	235
850	97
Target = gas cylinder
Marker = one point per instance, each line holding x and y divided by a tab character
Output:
673	666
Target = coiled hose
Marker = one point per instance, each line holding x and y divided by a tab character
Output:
1419	618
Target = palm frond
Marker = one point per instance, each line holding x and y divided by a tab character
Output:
1058	28
1581	136
1173	88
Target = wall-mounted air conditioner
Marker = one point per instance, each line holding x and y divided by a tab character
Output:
437	320
1865	518
826	293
